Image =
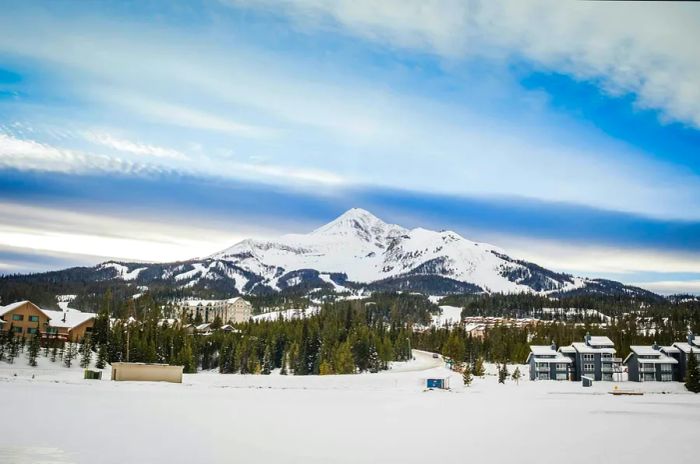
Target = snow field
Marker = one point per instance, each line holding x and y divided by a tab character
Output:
377	418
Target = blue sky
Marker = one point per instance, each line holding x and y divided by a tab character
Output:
566	133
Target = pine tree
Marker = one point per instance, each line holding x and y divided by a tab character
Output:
69	354
85	353
516	376
267	361
12	348
325	368
34	347
467	375
692	376
101	356
283	368
479	370
344	362
502	373
54	352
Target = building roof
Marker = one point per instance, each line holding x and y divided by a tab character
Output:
670	349
543	350
685	347
600	341
567	349
645	350
581	347
11	307
68	319
546	350
660	358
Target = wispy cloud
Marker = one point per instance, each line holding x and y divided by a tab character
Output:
128	146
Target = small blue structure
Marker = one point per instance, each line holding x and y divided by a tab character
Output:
587	381
441	384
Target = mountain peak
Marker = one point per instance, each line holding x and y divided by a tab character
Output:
360	222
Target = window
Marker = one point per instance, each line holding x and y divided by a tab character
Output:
608	377
31	330
33	318
543	376
18	317
666	377
588	357
588	367
561	376
606	356
665	368
52	330
561	367
17	330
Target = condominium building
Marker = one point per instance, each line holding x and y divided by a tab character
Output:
233	310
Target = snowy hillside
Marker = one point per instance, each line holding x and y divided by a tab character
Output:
355	252
359	247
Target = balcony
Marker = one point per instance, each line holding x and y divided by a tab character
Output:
542	368
650	370
611	360
606	369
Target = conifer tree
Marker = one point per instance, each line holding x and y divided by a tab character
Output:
325	368
692	376
85	353
479	370
516	376
12	348
502	373
344	362
34	347
267	360
69	354
54	352
101	356
467	375
283	367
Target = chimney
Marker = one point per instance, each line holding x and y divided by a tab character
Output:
691	337
655	346
554	346
588	338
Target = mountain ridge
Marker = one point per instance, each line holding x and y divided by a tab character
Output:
353	253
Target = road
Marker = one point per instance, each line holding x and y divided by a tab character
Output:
423	361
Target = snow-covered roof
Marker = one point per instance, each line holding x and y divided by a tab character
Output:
68	319
543	350
659	357
553	356
645	350
584	348
11	307
567	349
669	349
685	347
203	326
600	341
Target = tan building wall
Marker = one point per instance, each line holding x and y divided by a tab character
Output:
146	372
78	332
25	319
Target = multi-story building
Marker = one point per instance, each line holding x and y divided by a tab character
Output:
24	318
681	351
593	358
231	310
651	363
546	363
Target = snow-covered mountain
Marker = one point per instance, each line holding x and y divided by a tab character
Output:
358	250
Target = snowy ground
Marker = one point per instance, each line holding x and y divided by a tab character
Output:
57	417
